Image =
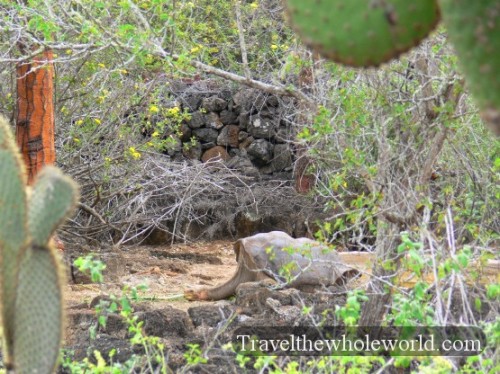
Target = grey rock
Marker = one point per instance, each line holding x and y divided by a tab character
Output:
213	121
193	152
185	132
244	165
262	127
213	104
282	159
242	135
205	135
272	101
197	120
192	101
244	120
246	142
283	134
228	117
173	145
260	152
205	146
229	136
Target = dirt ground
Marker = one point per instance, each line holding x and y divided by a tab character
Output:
166	271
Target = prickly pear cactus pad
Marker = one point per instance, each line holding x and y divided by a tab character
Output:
474	30
52	198
31	280
13	225
362	32
38	324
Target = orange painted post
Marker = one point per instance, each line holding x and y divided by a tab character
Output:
35	113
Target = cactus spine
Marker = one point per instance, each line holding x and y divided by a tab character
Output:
31	272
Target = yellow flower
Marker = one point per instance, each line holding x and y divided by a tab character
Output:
173	111
254	5
274	47
154	109
135	155
68	51
195	49
76	140
79	122
97	121
150	144
101	65
155	134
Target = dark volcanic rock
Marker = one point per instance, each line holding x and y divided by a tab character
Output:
174	145
229	136
213	104
166	322
206	135
282	157
260	151
193	152
185	132
197	120
244	165
209	315
262	127
213	121
228	117
244	120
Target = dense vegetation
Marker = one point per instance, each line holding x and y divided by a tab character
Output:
400	157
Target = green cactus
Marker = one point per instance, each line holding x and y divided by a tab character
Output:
48	204
31	272
362	32
474	30
13	226
368	32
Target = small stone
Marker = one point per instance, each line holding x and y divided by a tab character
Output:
246	143
262	127
185	132
214	154
213	121
213	104
242	135
173	145
197	120
228	117
193	152
229	136
244	120
282	157
260	151
206	135
243	165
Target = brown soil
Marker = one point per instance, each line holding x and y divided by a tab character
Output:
166	271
